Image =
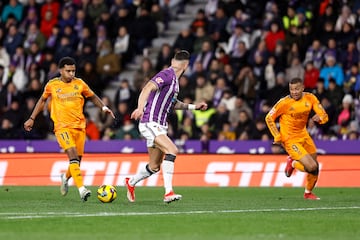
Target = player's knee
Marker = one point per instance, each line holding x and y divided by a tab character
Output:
313	169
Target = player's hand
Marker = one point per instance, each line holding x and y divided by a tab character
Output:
137	114
316	118
108	110
201	106
28	124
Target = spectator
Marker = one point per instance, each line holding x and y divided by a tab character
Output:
217	26
64	49
33	55
12	8
143	74
315	53
108	64
103	120
346	35
240	105
352	81
200	21
346	16
15	75
332	70
163	59
205	55
204	90
273	36
201	36
144	30
12	40
31	16
187	88
50	5
295	70
311	76
95	9
124	46
92	131
245	83
244	126
335	93
92	78
66	18
332	49
349	57
226	133
53	40
126	94
184	40
219	118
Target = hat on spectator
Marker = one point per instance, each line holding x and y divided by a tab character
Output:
348	99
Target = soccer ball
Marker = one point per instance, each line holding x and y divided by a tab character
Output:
106	193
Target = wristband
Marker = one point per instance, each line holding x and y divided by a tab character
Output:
104	108
32	118
191	106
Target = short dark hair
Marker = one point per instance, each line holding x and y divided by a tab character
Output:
182	55
296	80
66	61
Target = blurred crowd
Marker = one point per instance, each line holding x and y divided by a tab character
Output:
243	53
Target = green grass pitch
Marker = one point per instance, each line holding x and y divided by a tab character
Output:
203	213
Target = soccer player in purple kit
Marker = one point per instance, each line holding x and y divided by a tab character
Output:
156	100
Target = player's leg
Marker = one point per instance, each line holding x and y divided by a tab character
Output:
170	150
151	168
149	132
293	160
80	138
66	140
312	170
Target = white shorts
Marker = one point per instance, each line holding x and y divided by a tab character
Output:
151	130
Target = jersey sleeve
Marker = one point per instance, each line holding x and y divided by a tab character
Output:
319	110
47	91
271	117
87	92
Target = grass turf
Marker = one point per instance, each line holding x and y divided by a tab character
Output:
203	213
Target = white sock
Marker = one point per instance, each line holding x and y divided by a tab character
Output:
168	171
144	173
307	191
81	189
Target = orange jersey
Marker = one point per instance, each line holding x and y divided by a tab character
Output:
293	117
67	102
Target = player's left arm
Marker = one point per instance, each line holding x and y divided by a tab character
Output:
99	103
320	113
198	106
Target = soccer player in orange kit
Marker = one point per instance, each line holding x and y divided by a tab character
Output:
293	112
68	94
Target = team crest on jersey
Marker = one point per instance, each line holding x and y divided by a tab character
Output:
58	90
307	104
159	80
76	87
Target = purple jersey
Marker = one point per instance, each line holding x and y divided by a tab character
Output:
161	102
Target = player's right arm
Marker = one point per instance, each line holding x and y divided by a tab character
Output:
270	120
144	95
37	109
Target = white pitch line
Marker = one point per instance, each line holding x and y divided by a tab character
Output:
114	214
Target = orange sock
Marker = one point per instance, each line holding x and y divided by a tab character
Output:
299	166
311	180
76	174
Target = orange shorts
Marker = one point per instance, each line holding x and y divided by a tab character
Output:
298	148
71	137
